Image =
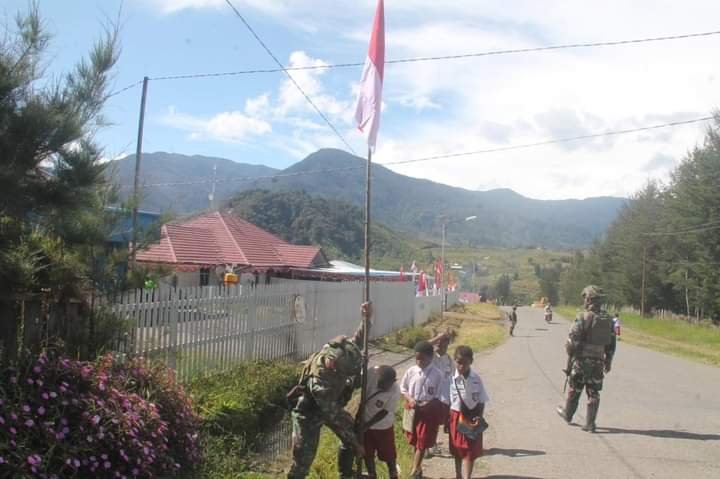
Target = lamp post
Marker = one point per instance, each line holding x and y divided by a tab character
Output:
443	299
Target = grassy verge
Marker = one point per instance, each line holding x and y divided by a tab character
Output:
236	408
699	343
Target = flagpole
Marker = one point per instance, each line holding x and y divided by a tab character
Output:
366	299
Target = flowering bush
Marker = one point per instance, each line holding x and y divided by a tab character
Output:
65	418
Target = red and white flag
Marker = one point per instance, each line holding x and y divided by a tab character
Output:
367	112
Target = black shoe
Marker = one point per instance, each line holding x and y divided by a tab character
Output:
588	428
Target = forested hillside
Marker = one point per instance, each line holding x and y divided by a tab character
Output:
336	226
663	251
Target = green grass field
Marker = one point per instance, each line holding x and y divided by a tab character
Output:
498	261
697	342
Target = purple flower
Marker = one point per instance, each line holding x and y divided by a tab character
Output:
106	464
53	394
29	423
60	436
13	416
30	381
34	459
2	420
41	411
13	431
96	419
37	369
2	460
45	396
26	408
39	382
76	463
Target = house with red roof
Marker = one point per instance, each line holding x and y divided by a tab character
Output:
202	249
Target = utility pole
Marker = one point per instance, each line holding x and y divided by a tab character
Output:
642	287
442	270
136	182
211	196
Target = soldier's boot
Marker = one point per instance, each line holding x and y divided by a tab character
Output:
592	410
568	410
346	459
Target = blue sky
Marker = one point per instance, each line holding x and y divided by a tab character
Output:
430	108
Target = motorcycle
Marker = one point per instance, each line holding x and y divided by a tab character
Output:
548	316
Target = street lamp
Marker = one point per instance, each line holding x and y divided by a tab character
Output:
443	299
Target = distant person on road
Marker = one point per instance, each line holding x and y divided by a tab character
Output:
467	408
513	319
421	387
616	325
590	347
548	313
383	395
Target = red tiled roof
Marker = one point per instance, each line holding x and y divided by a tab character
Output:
220	239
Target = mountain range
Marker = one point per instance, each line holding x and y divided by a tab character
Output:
416	207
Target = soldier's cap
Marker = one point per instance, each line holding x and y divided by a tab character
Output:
592	291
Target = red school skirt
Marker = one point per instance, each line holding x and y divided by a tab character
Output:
427	422
460	446
382	442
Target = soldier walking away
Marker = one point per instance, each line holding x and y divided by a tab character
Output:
513	319
326	385
590	347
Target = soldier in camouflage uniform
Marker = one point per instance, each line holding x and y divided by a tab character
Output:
590	347
326	386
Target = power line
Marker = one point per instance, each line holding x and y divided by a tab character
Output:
129	87
701	228
290	77
550	142
430	158
439	57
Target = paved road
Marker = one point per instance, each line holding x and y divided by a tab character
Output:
659	415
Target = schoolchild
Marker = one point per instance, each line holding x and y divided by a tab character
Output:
421	387
467	408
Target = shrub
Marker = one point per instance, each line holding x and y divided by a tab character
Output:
66	418
408	337
237	407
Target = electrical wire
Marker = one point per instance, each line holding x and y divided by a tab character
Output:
440	57
430	158
290	77
551	142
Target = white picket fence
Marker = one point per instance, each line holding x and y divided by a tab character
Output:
209	329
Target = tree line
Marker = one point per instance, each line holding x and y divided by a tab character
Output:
663	250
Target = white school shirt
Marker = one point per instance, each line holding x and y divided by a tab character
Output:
423	385
381	401
471	389
446	366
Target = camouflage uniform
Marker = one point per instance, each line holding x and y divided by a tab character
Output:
590	346
513	320
329	379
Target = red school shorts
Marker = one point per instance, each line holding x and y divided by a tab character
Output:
382	442
427	421
460	446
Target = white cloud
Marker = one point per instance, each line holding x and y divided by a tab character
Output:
490	102
227	127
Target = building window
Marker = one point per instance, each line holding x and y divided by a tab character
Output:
204	276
